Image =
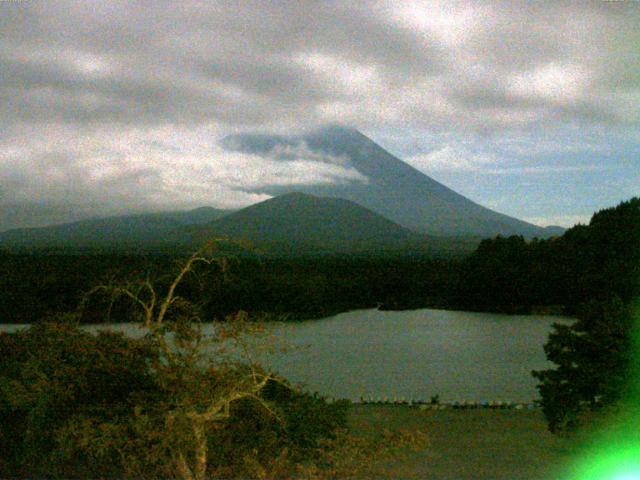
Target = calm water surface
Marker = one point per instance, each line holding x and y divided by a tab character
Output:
412	354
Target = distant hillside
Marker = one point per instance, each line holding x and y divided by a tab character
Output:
139	230
14	215
293	223
553	231
393	189
308	221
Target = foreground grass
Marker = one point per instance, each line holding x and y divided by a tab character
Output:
470	444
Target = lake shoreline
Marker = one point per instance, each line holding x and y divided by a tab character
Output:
295	317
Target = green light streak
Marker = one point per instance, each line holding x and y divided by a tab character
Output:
614	451
611	464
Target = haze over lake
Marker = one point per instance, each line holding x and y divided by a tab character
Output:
410	354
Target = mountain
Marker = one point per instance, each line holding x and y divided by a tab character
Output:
301	223
384	202
553	231
390	188
297	223
129	230
14	215
309	221
287	224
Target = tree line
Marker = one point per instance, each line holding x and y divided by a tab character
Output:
598	260
504	274
37	285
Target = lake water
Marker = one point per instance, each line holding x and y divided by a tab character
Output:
412	354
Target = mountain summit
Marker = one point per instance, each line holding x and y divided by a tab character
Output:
392	188
299	218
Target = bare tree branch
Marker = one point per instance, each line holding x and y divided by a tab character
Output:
181	357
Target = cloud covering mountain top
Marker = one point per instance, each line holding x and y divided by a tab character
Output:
106	105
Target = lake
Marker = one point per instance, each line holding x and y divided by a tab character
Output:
412	354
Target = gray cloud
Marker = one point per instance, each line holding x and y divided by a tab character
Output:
251	63
85	86
115	170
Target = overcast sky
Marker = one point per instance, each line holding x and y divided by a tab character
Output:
532	109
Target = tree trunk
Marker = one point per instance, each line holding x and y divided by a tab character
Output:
200	451
183	468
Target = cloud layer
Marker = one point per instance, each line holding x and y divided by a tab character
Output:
436	64
122	103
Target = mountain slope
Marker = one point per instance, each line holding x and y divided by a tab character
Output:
393	189
151	228
297	218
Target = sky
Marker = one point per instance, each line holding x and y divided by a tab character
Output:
528	108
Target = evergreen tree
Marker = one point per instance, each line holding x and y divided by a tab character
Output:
593	359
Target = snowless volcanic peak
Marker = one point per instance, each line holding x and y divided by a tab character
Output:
391	187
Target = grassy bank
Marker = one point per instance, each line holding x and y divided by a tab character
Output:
470	444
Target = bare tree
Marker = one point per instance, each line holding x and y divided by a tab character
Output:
203	386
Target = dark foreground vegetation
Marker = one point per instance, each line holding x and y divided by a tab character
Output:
75	404
78	405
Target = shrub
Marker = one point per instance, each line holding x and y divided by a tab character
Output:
77	404
51	376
